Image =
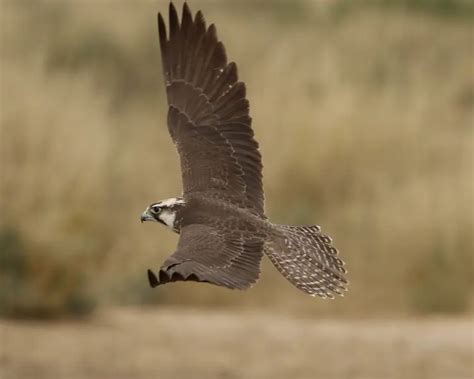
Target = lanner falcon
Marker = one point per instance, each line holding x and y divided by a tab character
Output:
220	217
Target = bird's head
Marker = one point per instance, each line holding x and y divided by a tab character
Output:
165	212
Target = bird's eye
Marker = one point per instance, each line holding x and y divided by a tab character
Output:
156	209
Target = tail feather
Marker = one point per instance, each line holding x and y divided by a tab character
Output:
307	259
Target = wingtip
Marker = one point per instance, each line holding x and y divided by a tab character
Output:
160	18
186	9
200	21
162	35
186	17
212	30
173	19
199	16
161	25
152	279
173	13
171	7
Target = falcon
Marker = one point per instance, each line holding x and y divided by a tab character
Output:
220	216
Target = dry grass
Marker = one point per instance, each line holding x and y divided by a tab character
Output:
185	343
365	124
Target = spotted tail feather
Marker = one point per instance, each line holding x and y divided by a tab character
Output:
307	259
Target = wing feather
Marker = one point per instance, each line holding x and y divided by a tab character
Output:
208	108
205	255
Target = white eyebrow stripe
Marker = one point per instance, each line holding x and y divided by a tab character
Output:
170	202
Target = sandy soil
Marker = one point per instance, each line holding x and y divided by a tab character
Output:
180	343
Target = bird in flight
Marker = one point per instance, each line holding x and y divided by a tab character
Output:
220	216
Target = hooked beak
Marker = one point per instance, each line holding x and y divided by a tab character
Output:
146	216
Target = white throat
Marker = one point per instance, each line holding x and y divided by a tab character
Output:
168	217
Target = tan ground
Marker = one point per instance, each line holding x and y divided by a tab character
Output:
180	343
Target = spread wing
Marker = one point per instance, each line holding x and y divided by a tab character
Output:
205	255
208	115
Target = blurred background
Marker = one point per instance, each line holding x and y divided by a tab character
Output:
364	113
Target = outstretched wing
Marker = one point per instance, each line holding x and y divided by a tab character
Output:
205	255
208	115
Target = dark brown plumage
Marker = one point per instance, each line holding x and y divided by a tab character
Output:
223	228
208	115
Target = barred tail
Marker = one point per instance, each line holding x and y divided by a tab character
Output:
308	260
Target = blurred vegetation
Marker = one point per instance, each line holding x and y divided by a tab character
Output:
441	284
363	111
443	8
40	285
